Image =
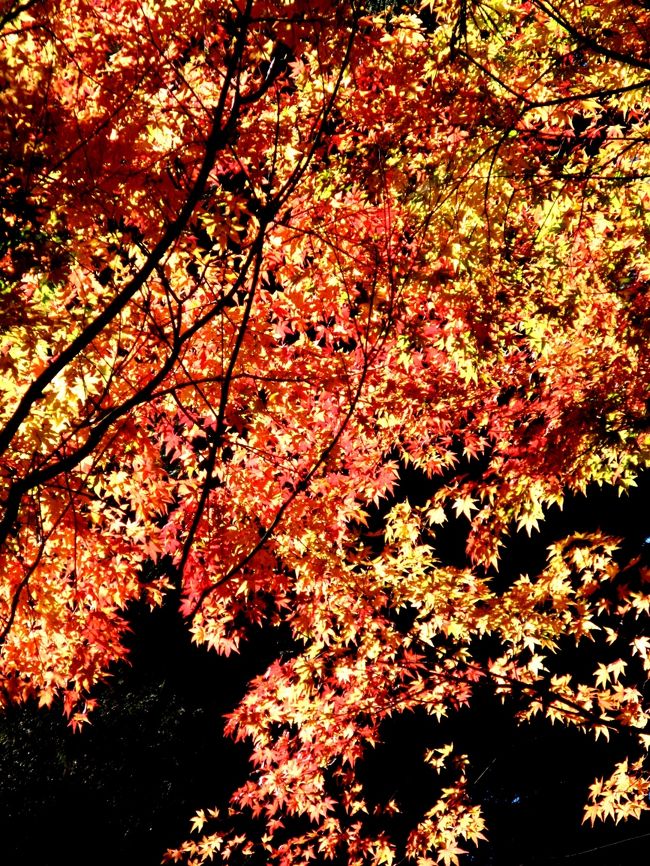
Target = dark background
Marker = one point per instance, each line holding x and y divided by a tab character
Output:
124	789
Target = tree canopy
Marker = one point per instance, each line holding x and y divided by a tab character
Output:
258	259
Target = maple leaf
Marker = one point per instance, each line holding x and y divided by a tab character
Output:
198	821
450	854
641	646
617	668
465	505
603	675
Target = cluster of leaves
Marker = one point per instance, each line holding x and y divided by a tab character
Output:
262	253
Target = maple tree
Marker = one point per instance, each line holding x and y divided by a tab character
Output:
258	256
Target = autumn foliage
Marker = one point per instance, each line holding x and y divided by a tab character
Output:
257	257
